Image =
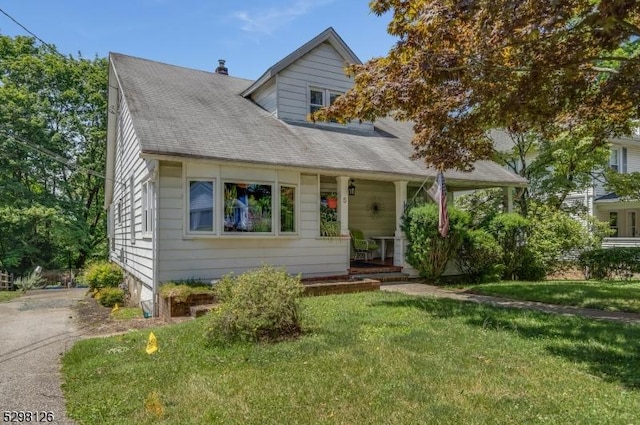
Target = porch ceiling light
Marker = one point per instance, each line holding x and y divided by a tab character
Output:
352	188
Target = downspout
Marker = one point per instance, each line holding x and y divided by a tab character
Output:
154	236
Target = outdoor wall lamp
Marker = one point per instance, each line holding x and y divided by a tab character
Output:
352	188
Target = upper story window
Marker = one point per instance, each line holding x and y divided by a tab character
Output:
614	159
319	98
618	159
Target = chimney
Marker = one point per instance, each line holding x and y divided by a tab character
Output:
221	69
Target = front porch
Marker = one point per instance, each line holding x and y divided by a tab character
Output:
374	209
623	218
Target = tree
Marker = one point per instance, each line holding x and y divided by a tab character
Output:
52	143
462	67
565	161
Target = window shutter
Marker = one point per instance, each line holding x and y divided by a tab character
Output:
624	160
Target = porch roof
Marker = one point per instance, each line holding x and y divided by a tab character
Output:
189	113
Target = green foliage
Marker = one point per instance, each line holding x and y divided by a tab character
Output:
555	238
109	296
429	252
510	230
626	186
259	305
479	257
52	114
181	290
610	263
102	274
482	205
28	282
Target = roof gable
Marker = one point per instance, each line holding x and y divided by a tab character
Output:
329	35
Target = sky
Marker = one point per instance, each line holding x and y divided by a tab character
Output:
251	35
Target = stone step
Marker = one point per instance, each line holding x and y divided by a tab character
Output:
382	277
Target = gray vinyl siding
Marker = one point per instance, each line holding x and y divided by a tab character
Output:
322	68
184	256
130	250
266	97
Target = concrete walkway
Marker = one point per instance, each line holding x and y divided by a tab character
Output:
35	330
421	289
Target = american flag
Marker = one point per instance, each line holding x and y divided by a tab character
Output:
439	194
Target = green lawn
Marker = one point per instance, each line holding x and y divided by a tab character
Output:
603	295
368	358
9	295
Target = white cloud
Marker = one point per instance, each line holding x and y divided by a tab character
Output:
266	21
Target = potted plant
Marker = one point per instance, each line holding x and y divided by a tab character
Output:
332	200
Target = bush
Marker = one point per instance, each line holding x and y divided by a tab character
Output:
555	238
259	305
102	275
31	281
611	263
479	257
511	230
109	297
429	252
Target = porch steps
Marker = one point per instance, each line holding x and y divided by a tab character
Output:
382	277
343	287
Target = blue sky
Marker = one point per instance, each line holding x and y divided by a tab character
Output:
251	35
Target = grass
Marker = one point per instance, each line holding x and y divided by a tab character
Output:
126	313
603	295
368	358
9	295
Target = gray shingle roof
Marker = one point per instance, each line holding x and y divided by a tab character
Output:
190	113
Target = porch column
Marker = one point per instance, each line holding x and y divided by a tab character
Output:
508	192
400	240
343	204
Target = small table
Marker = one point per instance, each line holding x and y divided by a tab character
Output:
383	244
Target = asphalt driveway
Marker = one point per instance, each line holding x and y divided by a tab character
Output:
35	330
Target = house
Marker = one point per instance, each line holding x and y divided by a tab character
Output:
209	174
623	216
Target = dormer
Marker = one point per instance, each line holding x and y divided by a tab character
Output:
308	79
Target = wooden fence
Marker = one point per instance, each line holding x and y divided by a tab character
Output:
6	281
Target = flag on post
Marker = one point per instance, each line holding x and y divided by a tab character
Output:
439	194
152	344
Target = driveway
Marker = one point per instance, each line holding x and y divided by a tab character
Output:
35	330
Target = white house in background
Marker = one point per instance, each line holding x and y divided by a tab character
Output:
622	216
209	174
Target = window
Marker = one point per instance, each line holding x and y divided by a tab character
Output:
319	98
614	160
132	211
119	211
316	100
631	224
247	207
287	209
613	223
148	189
201	205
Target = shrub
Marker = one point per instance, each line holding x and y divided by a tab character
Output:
611	263
555	238
31	281
511	230
102	274
109	297
479	257
259	305
429	252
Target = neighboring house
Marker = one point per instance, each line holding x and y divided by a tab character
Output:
209	174
622	216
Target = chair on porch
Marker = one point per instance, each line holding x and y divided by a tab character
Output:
361	246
